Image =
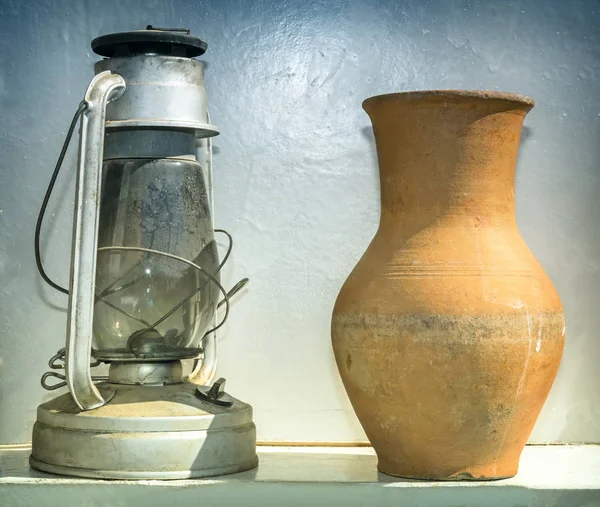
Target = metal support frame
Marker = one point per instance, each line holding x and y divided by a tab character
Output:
104	88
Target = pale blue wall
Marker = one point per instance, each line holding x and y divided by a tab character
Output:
296	177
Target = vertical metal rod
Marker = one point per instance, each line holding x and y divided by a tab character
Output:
209	174
103	88
205	370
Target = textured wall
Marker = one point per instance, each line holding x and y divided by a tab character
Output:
296	176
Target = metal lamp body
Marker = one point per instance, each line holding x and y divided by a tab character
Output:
145	432
162	91
144	284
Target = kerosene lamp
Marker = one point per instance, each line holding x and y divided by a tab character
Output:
144	290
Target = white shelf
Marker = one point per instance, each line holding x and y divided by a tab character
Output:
558	476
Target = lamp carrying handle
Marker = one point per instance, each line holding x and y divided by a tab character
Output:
104	88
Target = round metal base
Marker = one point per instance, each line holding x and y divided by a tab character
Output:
145	432
127	475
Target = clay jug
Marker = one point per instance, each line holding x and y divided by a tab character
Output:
448	333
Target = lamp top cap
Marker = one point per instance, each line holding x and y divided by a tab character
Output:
152	40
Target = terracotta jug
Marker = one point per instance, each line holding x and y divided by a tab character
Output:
448	333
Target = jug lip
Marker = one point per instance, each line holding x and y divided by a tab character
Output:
459	96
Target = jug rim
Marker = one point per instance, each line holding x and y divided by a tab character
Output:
454	96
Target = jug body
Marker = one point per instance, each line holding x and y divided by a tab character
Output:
448	333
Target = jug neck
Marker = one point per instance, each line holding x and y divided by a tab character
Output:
447	154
